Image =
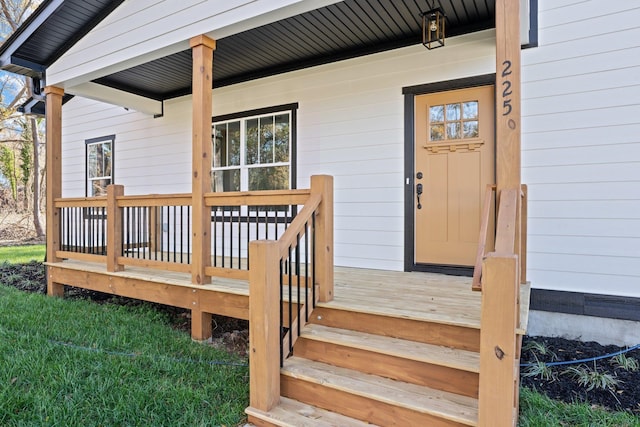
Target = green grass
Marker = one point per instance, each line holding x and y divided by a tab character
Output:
22	254
94	380
537	410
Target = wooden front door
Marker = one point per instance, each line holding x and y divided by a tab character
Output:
454	162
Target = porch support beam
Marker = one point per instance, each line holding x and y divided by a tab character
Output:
202	48
508	121
508	100
54	179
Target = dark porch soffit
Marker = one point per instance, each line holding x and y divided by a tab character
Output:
339	31
49	32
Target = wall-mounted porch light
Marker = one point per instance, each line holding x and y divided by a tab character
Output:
433	28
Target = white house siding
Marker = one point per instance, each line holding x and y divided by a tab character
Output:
350	125
151	155
581	147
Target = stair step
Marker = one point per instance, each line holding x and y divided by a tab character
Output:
430	332
427	353
292	413
430	365
367	396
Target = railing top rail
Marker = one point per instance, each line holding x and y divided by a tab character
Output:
179	199
290	235
257	198
80	202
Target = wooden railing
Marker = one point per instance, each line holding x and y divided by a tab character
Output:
486	228
500	285
287	277
155	231
83	228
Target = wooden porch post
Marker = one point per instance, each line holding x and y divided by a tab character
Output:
508	95
114	228
323	184
202	48
54	179
497	403
264	325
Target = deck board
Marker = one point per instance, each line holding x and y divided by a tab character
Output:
415	295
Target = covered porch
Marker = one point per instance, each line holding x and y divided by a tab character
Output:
269	257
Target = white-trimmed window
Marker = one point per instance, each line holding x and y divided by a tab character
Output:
254	150
99	164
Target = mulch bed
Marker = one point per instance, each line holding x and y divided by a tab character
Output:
563	384
232	334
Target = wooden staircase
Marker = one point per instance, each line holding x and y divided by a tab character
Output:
356	368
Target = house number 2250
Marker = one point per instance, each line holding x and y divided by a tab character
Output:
506	88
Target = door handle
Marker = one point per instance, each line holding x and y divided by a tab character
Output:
418	194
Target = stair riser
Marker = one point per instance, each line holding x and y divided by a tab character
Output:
358	407
260	423
411	371
409	329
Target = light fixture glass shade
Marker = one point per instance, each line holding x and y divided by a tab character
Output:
433	28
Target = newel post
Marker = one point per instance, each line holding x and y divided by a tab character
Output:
264	324
114	228
202	48
54	179
323	184
499	358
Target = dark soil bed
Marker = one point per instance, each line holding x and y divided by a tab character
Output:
621	388
613	386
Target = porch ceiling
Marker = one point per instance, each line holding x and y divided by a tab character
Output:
342	30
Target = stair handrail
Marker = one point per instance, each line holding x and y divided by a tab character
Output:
499	348
271	271
476	283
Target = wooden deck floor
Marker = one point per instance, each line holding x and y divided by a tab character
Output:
416	296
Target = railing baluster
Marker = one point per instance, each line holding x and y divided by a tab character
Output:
174	233
281	313
224	208
181	233
189	235
297	283
231	238
290	285
313	260
306	271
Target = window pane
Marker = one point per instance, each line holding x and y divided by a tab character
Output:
453	112
226	180
470	110
106	148
92	160
219	146
437	132
269	178
266	139
281	139
98	187
233	143
436	113
252	132
453	131
470	129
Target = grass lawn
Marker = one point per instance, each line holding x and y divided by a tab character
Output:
537	410
78	363
22	254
